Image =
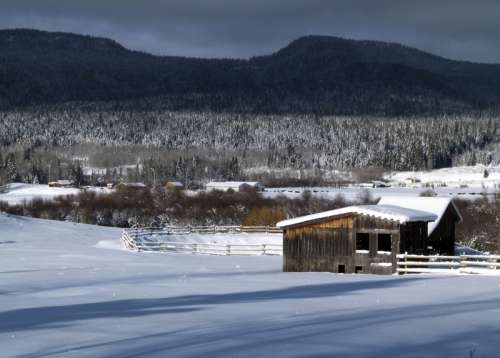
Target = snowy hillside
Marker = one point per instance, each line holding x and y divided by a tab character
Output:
69	290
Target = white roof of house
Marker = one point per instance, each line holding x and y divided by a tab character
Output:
175	183
231	184
387	212
134	185
435	205
65	182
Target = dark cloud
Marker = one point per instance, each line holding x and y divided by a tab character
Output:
460	29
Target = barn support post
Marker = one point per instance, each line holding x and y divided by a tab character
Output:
373	244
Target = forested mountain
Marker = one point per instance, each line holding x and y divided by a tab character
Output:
314	74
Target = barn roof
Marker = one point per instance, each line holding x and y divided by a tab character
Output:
387	212
435	205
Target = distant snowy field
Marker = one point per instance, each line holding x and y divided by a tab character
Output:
19	192
70	290
353	193
472	176
462	182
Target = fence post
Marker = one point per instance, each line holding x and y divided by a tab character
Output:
228	250
195	248
462	262
263	249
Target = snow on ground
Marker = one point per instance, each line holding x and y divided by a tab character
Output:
352	192
19	192
64	295
471	176
223	239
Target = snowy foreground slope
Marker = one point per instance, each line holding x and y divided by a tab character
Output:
68	290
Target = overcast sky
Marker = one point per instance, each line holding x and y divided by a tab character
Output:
459	29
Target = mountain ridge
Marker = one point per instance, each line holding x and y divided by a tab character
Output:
319	74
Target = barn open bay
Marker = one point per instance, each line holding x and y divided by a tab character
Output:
63	296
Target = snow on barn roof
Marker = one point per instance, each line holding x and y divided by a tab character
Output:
435	205
387	212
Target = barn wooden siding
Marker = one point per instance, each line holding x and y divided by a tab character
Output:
368	263
321	246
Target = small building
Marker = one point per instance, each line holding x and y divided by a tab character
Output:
131	185
411	181
234	185
61	184
365	238
380	184
173	185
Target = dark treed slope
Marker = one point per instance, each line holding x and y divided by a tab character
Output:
314	74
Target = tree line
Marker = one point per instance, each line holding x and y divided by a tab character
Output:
201	145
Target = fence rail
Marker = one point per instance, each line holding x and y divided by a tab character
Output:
4	188
159	240
214	229
434	264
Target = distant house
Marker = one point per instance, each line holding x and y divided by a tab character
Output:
62	184
380	184
132	185
234	185
411	181
174	185
368	238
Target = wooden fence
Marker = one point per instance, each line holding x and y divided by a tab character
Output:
444	264
157	240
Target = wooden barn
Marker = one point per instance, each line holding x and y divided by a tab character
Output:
361	239
441	232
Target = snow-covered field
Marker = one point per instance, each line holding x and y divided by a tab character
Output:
69	290
237	238
463	182
471	176
19	192
353	193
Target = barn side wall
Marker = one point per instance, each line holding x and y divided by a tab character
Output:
414	238
321	246
442	239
